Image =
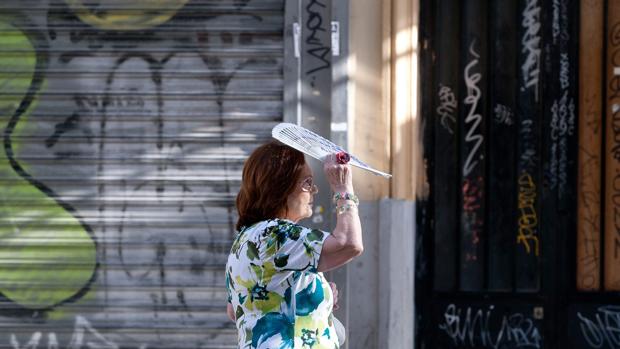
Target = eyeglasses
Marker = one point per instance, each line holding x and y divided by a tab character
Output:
309	186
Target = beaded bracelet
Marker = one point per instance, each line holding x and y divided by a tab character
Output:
345	196
344	208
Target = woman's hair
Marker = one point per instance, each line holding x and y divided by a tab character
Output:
269	176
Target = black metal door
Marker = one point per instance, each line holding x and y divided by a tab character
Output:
517	240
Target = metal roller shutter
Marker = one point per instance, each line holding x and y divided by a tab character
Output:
125	127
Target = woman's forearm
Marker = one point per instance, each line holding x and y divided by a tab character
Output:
348	228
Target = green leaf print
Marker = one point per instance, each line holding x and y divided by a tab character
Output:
307	329
239	313
309	249
269	270
270	303
271	249
252	252
281	261
257	270
261	299
309	337
273	324
248	335
310	298
293	232
229	279
235	246
315	235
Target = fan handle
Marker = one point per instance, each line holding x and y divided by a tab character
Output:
342	157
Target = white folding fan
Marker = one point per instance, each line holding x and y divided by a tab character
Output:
314	145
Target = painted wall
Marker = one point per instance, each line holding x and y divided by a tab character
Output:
518	241
383	126
383	97
125	126
369	116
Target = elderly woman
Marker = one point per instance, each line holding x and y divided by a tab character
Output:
277	293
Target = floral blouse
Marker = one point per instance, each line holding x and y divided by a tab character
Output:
280	299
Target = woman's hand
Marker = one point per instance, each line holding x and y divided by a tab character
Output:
338	176
335	292
230	311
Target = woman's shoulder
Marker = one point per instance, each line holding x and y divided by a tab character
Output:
289	229
281	230
270	224
263	228
285	225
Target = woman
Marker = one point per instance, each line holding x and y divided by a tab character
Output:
277	293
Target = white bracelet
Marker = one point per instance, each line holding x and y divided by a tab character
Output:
345	196
344	208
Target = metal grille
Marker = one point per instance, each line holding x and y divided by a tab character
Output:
126	124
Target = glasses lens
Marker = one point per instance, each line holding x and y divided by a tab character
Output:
307	184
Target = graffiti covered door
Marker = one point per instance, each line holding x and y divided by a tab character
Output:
550	236
125	126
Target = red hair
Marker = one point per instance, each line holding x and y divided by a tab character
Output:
269	176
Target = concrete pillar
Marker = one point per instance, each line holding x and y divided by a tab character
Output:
379	299
396	273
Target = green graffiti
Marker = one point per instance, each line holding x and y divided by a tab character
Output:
47	255
117	15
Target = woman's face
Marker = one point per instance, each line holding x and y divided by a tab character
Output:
299	203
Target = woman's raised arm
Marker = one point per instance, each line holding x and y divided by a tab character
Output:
345	242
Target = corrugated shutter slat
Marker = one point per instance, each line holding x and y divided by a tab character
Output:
126	124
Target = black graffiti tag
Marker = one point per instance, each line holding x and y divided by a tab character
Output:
317	48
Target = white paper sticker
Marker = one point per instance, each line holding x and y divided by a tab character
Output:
336	38
296	36
339	126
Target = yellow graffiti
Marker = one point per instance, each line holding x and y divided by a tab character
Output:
126	15
528	219
46	255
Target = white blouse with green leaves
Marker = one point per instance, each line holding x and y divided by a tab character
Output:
280	299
